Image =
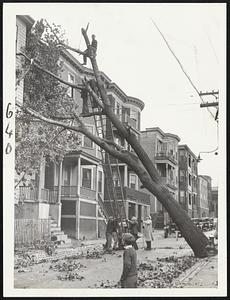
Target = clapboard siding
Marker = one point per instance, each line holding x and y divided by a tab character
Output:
20	43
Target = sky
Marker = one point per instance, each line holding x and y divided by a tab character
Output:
134	55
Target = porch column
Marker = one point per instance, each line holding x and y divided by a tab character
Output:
78	200
125	175
96	201
60	178
41	178
136	210
79	177
60	159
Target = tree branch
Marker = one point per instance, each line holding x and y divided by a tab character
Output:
63	44
50	73
62	118
96	113
123	131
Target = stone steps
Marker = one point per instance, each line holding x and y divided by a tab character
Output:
59	235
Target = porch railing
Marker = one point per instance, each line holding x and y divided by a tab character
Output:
28	193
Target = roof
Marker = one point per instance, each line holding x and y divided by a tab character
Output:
188	149
171	135
26	19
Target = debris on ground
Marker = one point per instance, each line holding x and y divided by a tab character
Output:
106	284
46	244
64	266
94	253
70	276
162	274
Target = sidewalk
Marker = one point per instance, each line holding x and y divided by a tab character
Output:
204	276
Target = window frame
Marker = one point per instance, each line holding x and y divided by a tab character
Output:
100	172
136	182
91	183
70	91
84	136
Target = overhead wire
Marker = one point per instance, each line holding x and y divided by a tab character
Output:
181	66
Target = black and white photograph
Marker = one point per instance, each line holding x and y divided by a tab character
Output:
114	167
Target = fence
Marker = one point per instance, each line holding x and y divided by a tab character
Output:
29	230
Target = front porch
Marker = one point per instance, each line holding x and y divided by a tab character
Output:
69	190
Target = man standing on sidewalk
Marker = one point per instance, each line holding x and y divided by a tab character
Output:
148	232
108	234
129	274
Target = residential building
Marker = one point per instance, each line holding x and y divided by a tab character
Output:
162	150
214	203
188	180
72	190
202	197
209	180
135	201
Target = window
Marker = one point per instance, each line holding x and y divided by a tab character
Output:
181	176
159	146
99	181
134	116
66	176
133	181
87	143
189	160
87	178
189	179
70	92
115	176
189	199
118	110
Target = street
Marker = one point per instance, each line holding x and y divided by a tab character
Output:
160	267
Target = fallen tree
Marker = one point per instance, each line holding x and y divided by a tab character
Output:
140	164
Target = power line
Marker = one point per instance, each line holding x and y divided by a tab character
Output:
181	66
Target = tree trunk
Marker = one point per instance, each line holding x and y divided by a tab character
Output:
193	235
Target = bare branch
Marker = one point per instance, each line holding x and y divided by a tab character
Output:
50	73
62	118
63	44
96	113
72	49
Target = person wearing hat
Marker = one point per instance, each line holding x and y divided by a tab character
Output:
133	228
148	232
129	273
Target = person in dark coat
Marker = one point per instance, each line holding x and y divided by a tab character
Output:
133	229
91	51
85	102
108	234
115	234
129	273
94	87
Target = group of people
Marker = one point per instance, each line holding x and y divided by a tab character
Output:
115	228
124	234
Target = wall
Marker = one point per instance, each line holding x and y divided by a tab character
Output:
32	210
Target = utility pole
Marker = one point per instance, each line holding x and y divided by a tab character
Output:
211	104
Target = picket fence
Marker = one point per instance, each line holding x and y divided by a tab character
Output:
29	230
